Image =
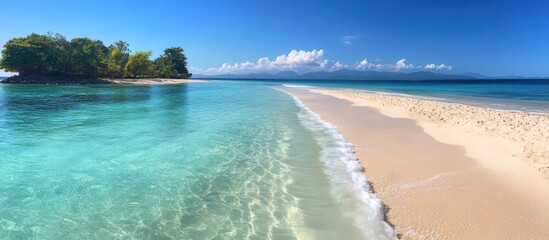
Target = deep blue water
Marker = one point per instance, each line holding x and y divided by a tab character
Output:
518	94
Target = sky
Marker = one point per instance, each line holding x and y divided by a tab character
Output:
495	38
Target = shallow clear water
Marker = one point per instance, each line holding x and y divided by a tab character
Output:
199	161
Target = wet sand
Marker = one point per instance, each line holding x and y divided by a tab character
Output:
432	189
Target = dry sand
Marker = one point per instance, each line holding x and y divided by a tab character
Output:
148	81
499	139
444	170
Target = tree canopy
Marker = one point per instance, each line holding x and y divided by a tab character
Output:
119	54
172	64
139	65
54	55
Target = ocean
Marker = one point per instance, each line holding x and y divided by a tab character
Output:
507	94
216	160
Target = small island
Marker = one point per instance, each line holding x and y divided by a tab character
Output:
52	59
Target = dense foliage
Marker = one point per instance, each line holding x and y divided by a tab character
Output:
54	55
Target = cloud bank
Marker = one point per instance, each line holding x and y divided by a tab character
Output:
313	61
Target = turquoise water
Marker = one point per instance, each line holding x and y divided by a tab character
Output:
199	161
218	160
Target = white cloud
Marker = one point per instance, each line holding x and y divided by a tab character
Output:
365	65
299	61
347	40
397	66
401	65
302	61
300	57
338	66
433	66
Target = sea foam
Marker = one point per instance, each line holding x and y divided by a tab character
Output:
349	184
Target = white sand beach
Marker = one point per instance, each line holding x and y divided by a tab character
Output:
499	139
446	170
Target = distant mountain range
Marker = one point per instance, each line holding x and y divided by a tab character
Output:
356	75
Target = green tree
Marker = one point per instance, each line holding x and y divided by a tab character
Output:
122	46
53	54
62	53
116	61
164	67
139	65
87	56
20	56
172	64
34	54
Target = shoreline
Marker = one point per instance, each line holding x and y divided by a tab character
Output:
70	80
508	105
152	81
438	180
519	135
370	212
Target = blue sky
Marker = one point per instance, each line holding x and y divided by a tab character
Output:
488	37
